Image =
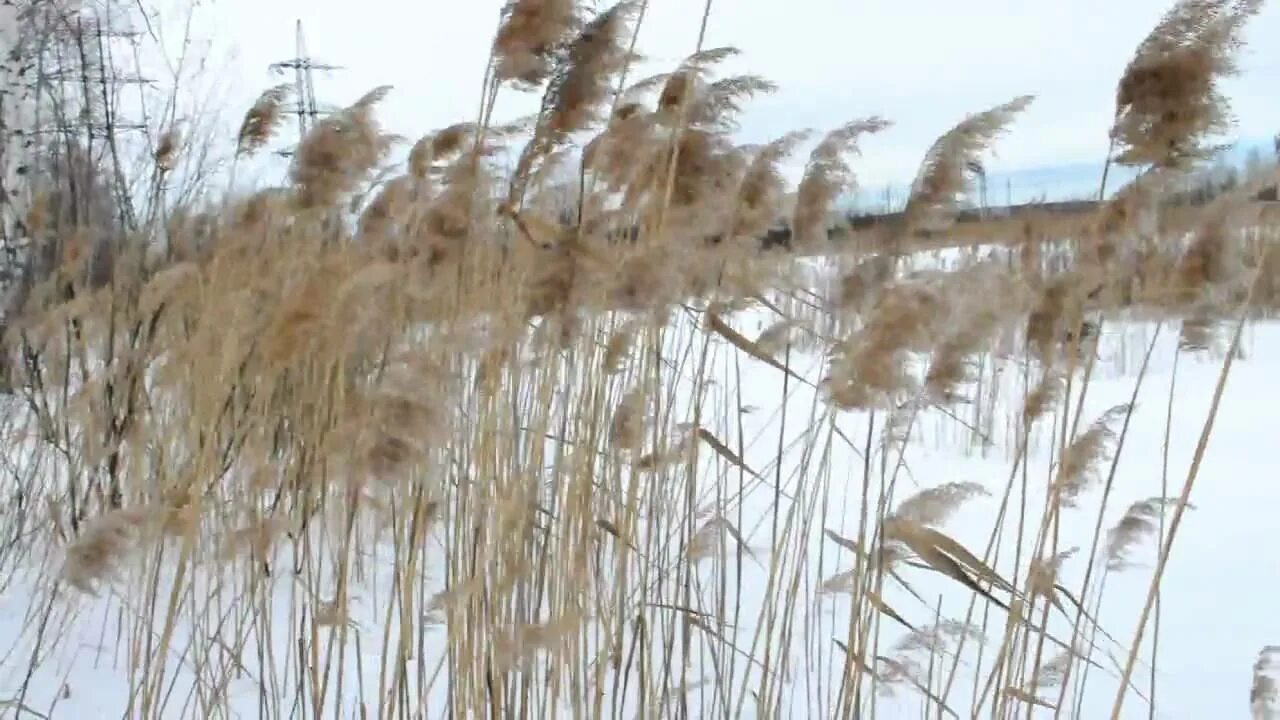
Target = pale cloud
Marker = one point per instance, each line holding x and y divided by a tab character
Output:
923	64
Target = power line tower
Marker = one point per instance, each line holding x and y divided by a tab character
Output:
63	129
306	109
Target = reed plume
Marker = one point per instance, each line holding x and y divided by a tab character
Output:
530	33
1140	521
261	121
870	368
1208	262
616	154
931	507
440	146
1042	576
578	87
1081	458
941	178
166	152
1168	101
982	300
762	187
97	553
1264	698
1047	676
718	105
686	86
827	175
339	153
1042	398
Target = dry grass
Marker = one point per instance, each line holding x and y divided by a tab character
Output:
528	439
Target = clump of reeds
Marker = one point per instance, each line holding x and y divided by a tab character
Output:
869	369
615	154
985	300
1056	314
579	85
586	502
1210	260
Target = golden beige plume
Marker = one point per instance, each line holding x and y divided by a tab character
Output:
1131	212
686	84
95	554
1042	575
1042	397
707	540
1168	102
616	155
941	179
578	88
762	187
718	106
1079	461
982	297
166	152
338	154
454	181
954	361
1057	310
386	210
528	36
707	171
1209	262
618	347
871	368
262	119
827	175
441	145
626	431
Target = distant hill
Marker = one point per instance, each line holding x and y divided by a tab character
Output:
1055	183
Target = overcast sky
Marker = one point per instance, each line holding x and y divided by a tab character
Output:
923	64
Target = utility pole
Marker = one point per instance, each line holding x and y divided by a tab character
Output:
980	171
60	119
305	109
